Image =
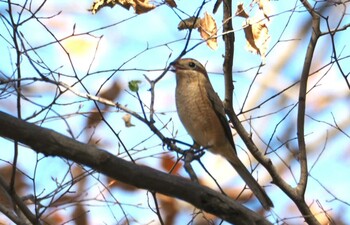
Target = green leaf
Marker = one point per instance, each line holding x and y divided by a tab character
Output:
134	85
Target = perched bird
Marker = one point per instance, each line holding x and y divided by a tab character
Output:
202	114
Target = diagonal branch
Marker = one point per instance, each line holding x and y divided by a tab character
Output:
24	215
51	143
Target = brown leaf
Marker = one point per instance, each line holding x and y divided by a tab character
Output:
169	164
189	23
265	6
5	199
240	11
257	36
94	119
98	4
125	3
248	31
171	3
55	218
127	120
208	31
80	215
110	93
20	180
169	208
140	6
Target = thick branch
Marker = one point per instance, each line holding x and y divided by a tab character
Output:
51	143
229	39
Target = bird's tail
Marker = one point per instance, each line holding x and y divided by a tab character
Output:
250	181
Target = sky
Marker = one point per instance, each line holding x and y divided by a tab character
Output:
134	46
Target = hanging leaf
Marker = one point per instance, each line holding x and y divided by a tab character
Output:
112	92
98	4
208	30
266	7
140	6
127	120
255	30
257	36
169	164
206	27
189	23
240	11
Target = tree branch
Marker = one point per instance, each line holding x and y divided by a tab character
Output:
24	215
50	143
229	39
301	187
296	194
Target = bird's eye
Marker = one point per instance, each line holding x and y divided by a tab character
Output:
192	65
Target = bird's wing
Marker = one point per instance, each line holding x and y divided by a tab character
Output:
220	113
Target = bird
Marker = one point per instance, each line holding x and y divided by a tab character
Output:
202	114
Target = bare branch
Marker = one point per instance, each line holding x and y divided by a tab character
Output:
51	143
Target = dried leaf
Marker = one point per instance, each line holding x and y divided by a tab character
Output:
94	119
55	218
240	11
208	31
21	183
110	93
248	31
255	29
98	4
171	3
170	208
140	6
266	7
80	214
169	164
5	199
257	36
189	23
127	120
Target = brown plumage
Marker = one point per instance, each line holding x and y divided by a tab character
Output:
202	114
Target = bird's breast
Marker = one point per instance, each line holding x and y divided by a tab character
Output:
197	114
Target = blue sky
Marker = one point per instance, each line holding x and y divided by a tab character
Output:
157	31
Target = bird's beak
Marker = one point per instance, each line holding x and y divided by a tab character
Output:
173	66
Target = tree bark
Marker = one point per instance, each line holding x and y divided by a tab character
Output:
51	143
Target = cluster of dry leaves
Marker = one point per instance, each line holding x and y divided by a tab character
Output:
255	27
140	6
206	26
